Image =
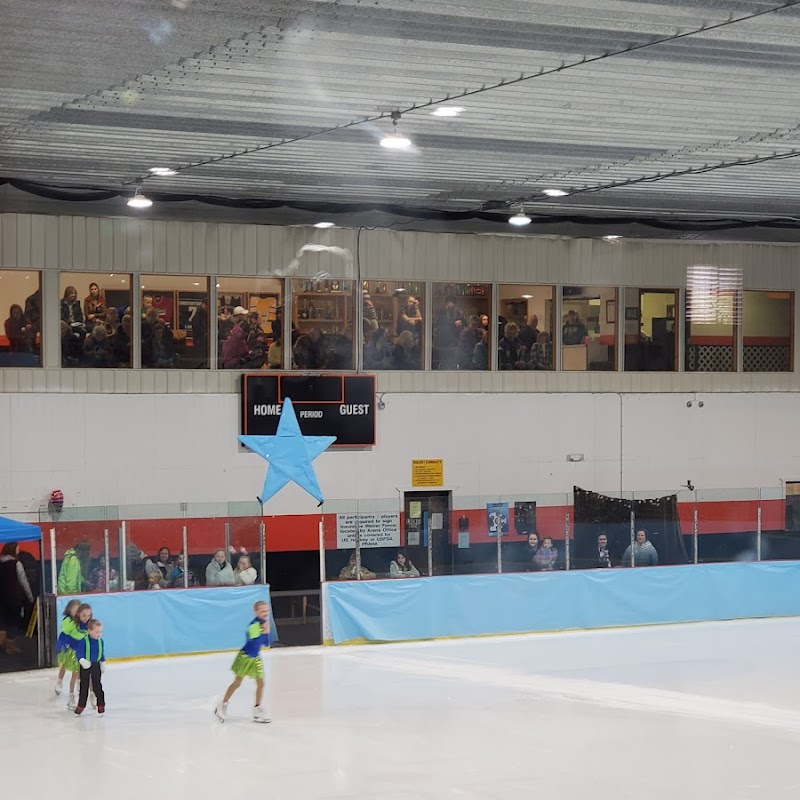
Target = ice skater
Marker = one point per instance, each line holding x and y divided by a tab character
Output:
75	634
91	656
65	653
248	664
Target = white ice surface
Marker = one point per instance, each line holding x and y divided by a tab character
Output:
696	711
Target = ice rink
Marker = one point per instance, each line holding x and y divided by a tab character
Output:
695	711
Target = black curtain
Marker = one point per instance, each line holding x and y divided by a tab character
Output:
596	513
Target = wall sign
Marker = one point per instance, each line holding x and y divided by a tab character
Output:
327	405
376	530
427	472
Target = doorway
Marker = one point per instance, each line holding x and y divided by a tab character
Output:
427	531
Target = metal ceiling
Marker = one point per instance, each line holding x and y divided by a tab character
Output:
93	94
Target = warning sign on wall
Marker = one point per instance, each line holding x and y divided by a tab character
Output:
427	472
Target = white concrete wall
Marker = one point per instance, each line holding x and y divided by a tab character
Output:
131	449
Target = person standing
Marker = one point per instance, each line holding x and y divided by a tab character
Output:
90	652
15	591
603	560
644	552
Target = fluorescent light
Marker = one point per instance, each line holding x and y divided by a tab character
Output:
447	111
323	224
519	219
163	172
527	296
395	141
555	192
195	284
613	237
139	200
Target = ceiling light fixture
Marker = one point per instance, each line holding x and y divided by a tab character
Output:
612	237
520	218
139	200
163	172
395	140
323	224
447	111
555	193
526	296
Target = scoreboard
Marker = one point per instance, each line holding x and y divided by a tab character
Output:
326	405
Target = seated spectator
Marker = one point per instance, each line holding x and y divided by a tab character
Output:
644	552
256	342
603	560
467	341
94	306
71	312
161	564
122	342
405	354
309	352
352	570
546	557
97	577
245	573
541	355
275	355
175	579
97	348
160	347
234	349
378	351
511	353
402	567
71	348
112	321
19	331
480	355
529	332
220	572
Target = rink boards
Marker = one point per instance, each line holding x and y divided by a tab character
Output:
173	621
479	605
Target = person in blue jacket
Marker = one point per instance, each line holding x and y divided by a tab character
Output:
91	656
248	664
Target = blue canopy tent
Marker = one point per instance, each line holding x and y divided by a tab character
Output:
13	531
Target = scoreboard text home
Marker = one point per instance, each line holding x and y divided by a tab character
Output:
326	405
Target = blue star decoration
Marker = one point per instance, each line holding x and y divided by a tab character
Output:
289	455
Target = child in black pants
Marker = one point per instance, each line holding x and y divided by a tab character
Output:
92	659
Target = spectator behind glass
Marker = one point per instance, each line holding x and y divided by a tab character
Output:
402	567
200	331
480	355
161	346
15	594
122	342
529	552
70	307
94	306
448	326
175	578
352	570
644	552
97	348
511	353
275	355
112	321
546	557
370	315
529	332
71	349
603	560
541	355
309	352
160	565
405	354
97	577
485	321
467	341
33	311
234	348
219	572
245	573
410	318
573	330
19	331
378	351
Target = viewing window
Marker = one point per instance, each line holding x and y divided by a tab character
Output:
96	322
393	324
651	343
588	328
528	342
21	298
174	315
768	331
462	328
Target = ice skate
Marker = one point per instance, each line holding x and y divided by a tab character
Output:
59	686
259	715
92	700
71	703
221	711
